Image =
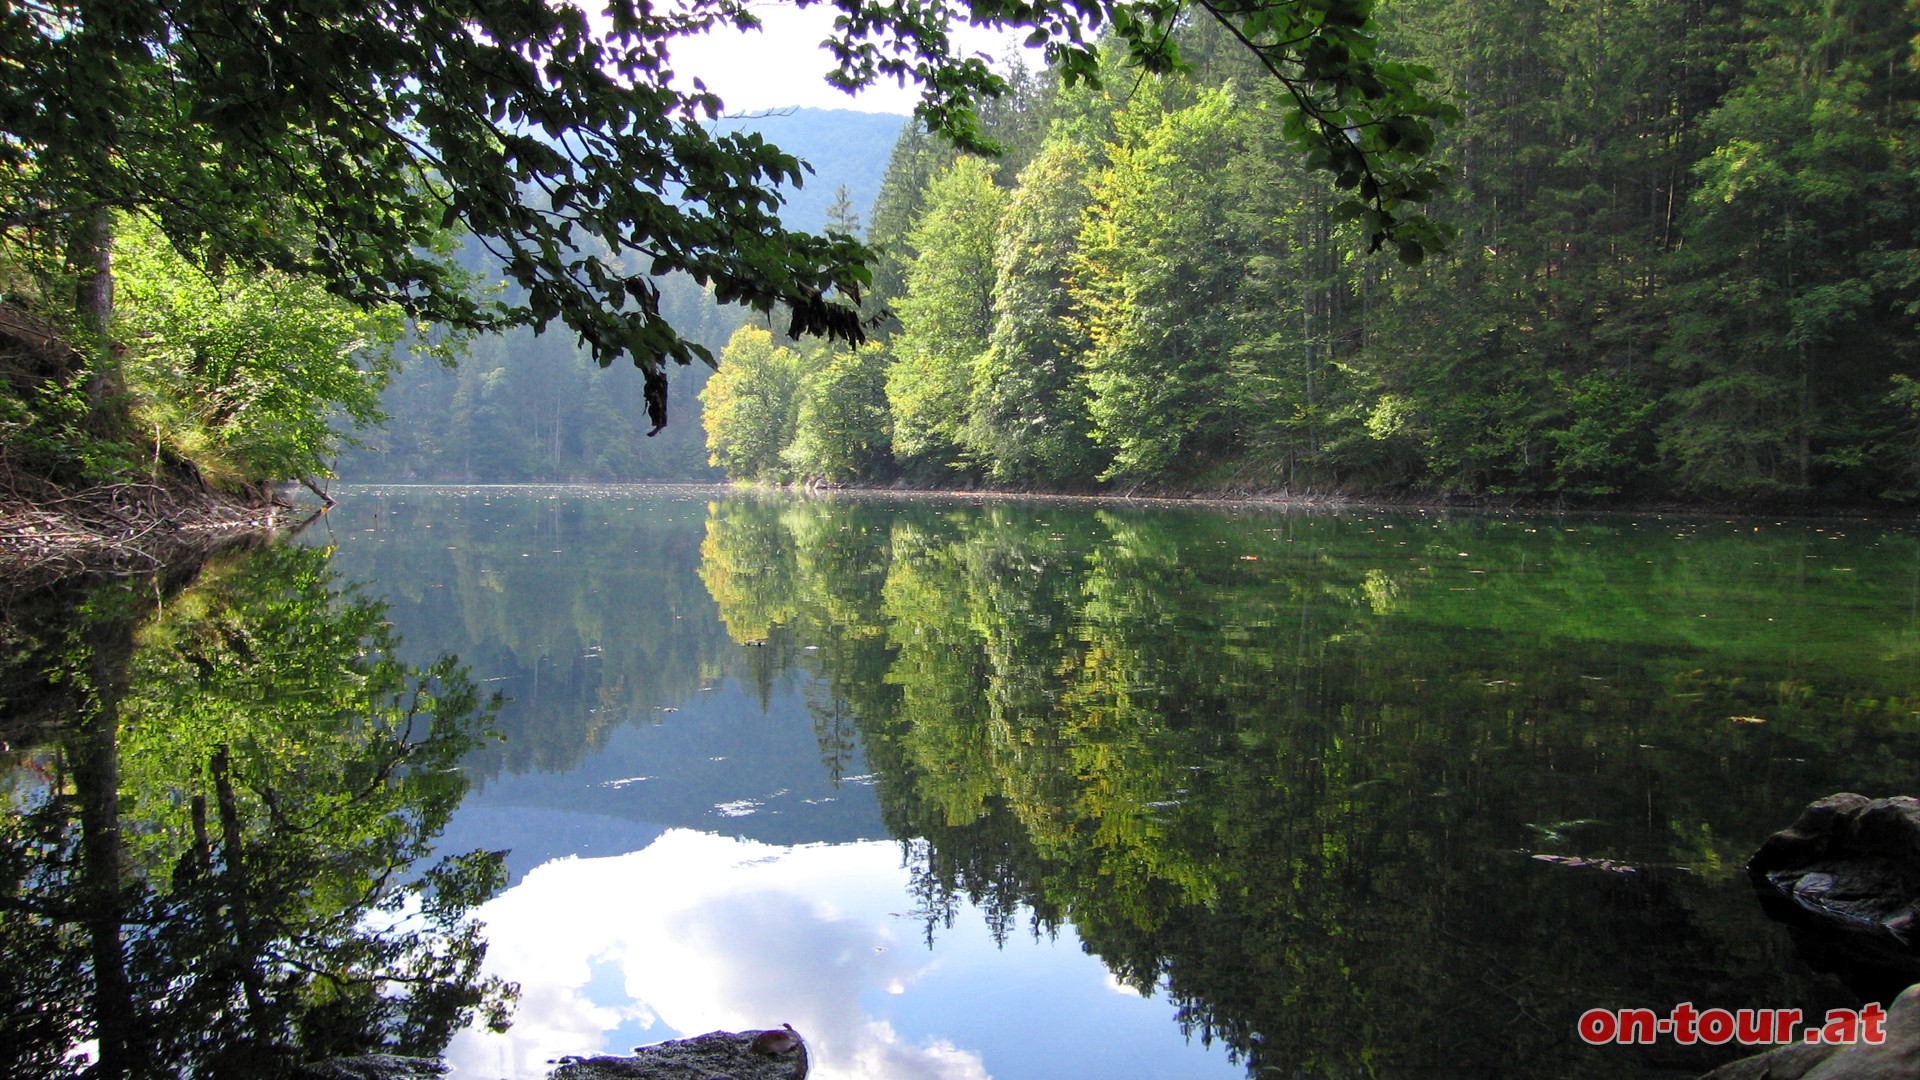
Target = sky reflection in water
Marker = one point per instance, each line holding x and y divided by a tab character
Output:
1294	767
699	932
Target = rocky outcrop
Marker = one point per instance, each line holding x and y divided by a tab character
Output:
777	1054
1896	1058
1845	878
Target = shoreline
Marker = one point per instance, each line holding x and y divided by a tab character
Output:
132	527
1340	500
1316	502
126	528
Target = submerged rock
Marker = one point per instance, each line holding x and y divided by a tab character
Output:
1845	878
777	1054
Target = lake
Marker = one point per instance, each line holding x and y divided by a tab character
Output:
982	787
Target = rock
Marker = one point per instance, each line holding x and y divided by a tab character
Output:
1845	878
1897	1058
778	1054
373	1067
1786	1063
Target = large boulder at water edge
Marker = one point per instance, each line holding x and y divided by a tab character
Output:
779	1054
1897	1058
1845	879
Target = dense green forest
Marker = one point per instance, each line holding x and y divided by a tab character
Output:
1675	258
265	376
1686	267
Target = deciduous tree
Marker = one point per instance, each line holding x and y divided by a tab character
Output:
945	315
314	136
750	406
1028	419
843	430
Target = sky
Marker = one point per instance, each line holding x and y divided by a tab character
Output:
699	932
783	65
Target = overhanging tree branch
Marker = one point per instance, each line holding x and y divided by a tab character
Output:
338	141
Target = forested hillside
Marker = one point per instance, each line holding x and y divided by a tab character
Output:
526	407
1687	267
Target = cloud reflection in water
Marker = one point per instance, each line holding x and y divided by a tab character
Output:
699	932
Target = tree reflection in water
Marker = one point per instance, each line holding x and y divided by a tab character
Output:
1290	769
207	845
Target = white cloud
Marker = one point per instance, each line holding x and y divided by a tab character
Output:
709	933
782	64
699	932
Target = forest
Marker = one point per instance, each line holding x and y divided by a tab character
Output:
1583	252
452	169
523	406
1684	267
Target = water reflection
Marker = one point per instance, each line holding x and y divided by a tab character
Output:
699	932
208	867
1363	794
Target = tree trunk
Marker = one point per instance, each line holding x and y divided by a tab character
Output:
237	887
97	782
91	253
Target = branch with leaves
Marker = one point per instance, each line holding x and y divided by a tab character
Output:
340	140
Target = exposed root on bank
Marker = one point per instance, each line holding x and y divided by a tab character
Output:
121	528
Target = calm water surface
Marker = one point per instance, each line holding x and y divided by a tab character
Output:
1051	789
959	789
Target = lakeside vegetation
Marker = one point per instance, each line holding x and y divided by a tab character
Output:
1675	262
307	160
237	380
524	407
1687	269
